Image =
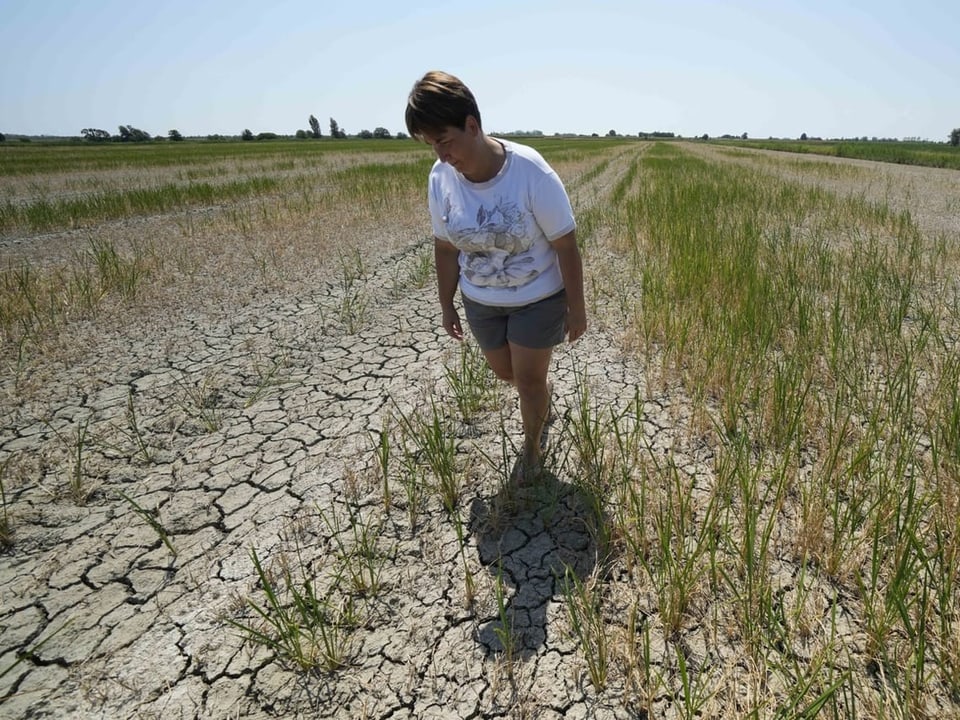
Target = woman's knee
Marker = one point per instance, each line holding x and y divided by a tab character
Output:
528	383
530	368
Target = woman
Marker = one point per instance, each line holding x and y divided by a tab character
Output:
505	232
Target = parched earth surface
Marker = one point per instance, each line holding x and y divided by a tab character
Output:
120	627
145	474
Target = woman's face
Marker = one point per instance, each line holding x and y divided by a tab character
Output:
454	146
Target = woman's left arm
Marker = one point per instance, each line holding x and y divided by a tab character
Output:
571	268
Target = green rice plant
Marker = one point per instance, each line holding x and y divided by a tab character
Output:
469	582
809	693
470	380
80	491
414	269
811	683
6	520
76	446
760	493
201	401
896	595
115	272
267	259
382	453
352	268
631	519
588	432
788	398
944	569
81	289
310	630
682	550
436	445
267	376
354	311
361	560
584	610
135	432
423	268
30	304
642	681
945	424
695	692
411	477
152	520
354	307
627	430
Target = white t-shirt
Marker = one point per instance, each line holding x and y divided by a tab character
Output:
503	227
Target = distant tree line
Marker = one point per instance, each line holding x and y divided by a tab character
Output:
129	133
314	133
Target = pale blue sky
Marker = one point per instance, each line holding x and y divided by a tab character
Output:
835	69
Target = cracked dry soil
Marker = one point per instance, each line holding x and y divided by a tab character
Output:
124	629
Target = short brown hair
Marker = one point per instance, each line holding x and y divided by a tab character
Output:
438	101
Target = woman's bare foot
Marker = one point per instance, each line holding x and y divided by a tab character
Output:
526	471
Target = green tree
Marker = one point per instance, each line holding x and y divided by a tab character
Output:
302	135
3	138
955	137
336	131
314	127
246	135
128	133
365	134
382	133
175	135
95	134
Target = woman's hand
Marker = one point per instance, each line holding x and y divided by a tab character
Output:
571	268
451	323
446	257
576	325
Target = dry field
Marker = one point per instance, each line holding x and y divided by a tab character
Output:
245	475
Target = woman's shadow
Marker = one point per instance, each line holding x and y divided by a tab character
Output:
529	538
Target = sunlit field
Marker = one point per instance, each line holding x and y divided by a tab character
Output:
796	321
928	154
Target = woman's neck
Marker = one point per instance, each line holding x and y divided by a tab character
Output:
491	157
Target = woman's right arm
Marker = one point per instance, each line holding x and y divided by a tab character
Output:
447	259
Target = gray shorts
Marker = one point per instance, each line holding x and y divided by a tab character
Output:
539	325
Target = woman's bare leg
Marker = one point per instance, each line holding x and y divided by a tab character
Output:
530	368
501	362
